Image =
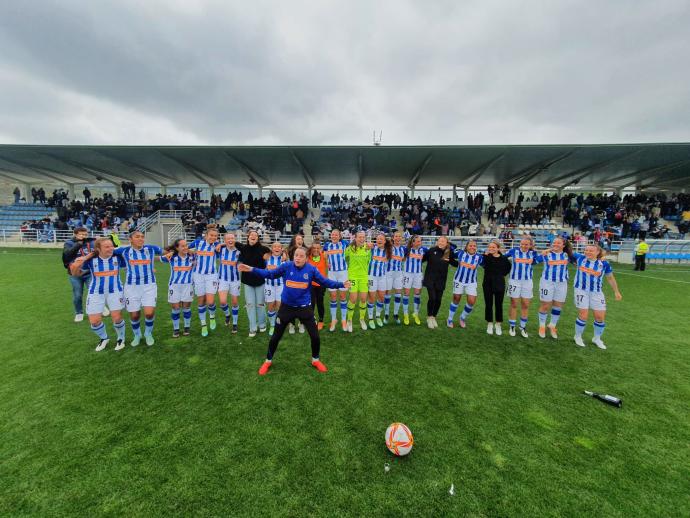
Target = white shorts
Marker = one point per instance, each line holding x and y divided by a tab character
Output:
461	288
272	293
412	280
520	289
95	303
550	291
137	296
180	293
230	286
377	283
394	280
205	284
590	300
337	276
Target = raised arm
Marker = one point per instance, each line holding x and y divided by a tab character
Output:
75	269
264	274
329	283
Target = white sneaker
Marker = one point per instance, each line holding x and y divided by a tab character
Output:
523	332
429	323
149	340
102	345
106	312
262	329
252	334
490	329
79	317
499	329
363	324
597	341
120	345
301	328
579	341
434	323
511	330
331	327
291	329
349	326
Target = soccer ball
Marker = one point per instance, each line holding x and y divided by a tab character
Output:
399	439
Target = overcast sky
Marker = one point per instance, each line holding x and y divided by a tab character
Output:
290	72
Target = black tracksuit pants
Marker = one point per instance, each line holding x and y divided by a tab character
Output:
493	297
287	314
317	293
433	303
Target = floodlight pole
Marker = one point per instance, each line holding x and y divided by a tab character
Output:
455	195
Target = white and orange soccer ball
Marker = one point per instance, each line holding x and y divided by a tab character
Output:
399	439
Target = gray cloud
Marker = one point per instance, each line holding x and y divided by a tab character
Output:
176	72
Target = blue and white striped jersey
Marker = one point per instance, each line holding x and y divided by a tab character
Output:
379	262
413	262
523	264
139	264
467	267
105	274
180	269
274	261
555	266
228	264
590	274
336	255
396	261
205	257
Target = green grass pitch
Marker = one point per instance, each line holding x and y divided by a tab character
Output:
188	428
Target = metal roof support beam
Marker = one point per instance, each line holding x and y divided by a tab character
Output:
670	182
42	170
529	172
583	172
194	171
648	171
476	173
258	179
305	172
145	171
10	175
105	175
420	170
360	173
36	170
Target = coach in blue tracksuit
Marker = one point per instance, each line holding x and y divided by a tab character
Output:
295	302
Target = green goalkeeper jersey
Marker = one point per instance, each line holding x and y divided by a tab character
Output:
357	260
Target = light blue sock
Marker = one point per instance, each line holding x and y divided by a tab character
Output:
235	314
542	319
379	308
100	330
579	327
334	310
451	312
212	311
175	316
466	311
136	328
343	309
202	315
148	323
187	314
523	323
599	329
120	329
370	310
555	315
417	303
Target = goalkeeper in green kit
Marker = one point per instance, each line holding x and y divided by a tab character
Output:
357	257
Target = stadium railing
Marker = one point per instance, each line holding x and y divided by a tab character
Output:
661	251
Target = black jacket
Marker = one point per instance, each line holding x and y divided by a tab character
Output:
252	255
436	272
73	249
495	271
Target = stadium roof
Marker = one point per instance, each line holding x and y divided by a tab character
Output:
611	166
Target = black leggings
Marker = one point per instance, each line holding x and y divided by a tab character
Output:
317	293
493	297
433	304
286	314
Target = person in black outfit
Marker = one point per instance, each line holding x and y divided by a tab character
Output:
254	254
496	267
438	258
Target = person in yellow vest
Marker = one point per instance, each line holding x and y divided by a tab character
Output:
641	250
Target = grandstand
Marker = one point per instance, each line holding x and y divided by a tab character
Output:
463	191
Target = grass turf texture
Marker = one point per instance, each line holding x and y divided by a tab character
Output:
187	427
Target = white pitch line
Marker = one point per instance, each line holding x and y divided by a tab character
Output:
650	277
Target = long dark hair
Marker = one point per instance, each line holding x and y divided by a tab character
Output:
409	245
174	246
294	246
